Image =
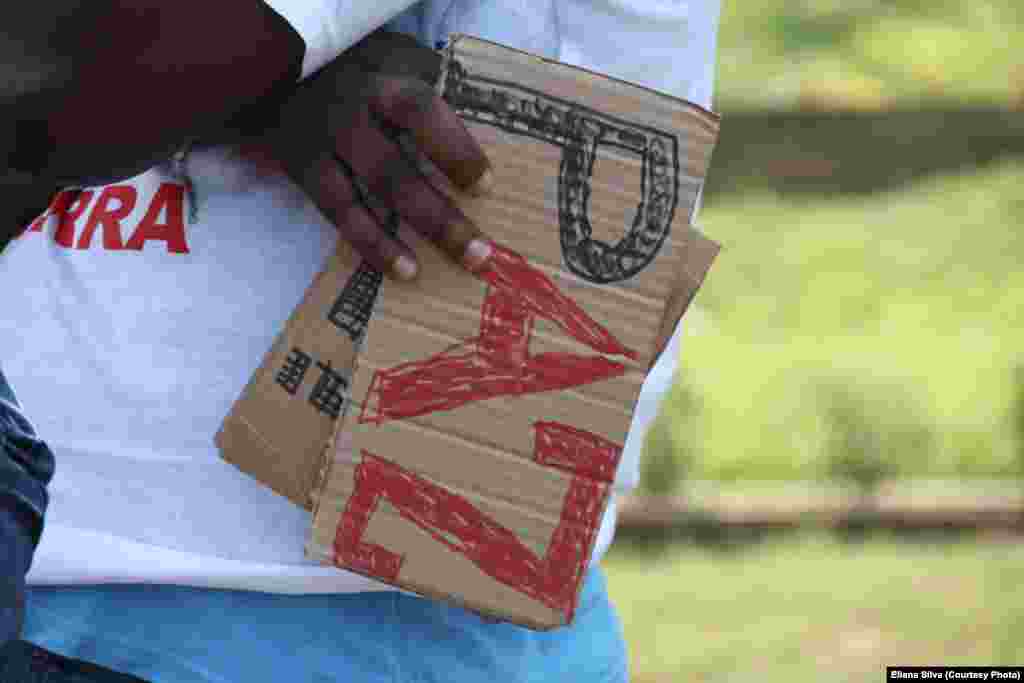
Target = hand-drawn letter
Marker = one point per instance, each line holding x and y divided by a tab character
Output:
580	132
498	362
552	579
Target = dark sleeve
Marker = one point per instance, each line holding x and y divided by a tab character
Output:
99	90
26	467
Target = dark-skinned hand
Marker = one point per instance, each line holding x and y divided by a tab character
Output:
355	136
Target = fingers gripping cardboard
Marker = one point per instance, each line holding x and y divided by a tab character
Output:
458	436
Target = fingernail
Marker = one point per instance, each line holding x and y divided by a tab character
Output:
483	186
478	252
404	268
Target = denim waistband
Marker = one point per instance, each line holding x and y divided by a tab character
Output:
193	635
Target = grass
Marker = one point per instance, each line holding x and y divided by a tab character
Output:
811	609
870	53
911	302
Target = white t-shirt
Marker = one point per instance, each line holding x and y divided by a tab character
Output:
129	331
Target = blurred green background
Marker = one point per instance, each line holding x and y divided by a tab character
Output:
867	53
863	324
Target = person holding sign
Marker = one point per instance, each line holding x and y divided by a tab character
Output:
200	161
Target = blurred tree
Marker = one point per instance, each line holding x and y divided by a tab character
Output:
661	472
671	446
872	431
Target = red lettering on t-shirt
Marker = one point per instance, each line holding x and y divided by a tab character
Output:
456	523
170	197
37	224
67	206
110	218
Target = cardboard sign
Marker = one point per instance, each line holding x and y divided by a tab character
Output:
458	436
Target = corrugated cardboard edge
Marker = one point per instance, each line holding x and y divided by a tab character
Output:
449	50
699	255
235	429
320	482
428	592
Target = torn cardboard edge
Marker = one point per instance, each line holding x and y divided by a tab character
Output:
700	256
449	50
295	475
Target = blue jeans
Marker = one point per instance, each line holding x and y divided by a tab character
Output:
26	462
26	466
188	635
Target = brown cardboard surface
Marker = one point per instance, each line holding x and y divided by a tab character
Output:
484	414
273	432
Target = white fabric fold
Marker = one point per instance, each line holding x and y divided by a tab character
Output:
329	27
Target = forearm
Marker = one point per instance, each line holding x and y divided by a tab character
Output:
26	467
105	89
